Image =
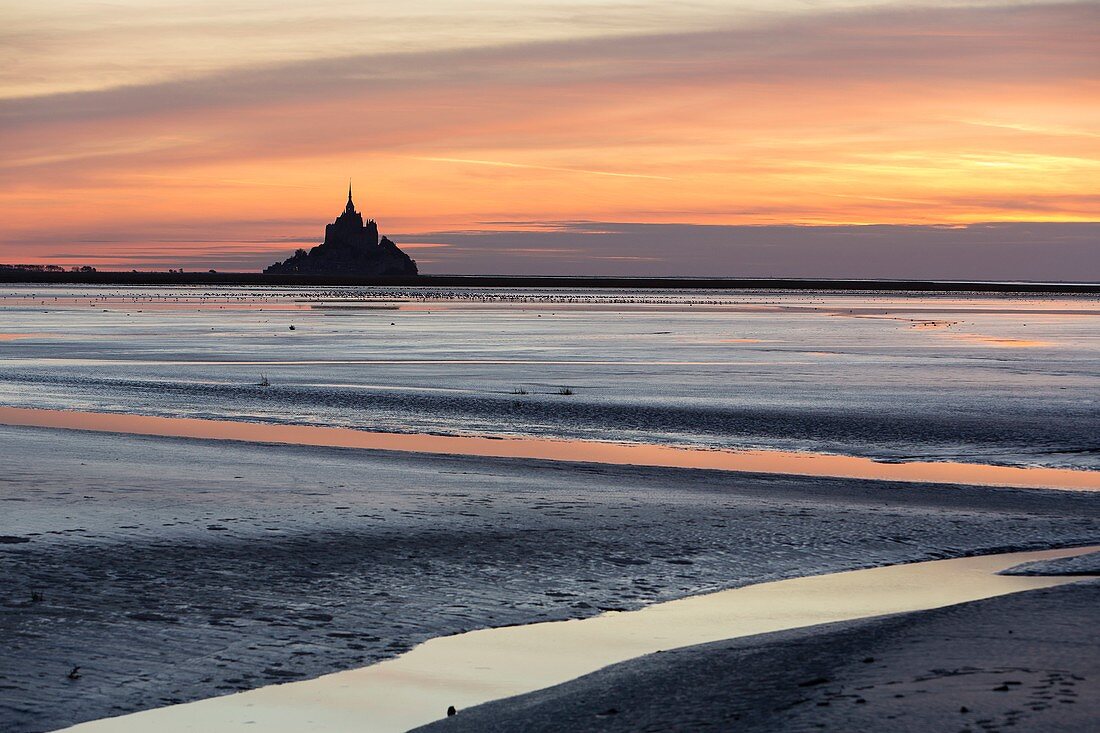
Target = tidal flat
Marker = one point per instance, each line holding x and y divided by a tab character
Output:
170	569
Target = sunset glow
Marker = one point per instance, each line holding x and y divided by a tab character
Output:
214	135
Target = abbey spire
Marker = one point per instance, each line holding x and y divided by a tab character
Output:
350	208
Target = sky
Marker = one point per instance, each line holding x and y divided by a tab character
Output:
867	138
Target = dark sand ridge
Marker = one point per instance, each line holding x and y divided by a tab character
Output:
1024	662
174	569
757	461
519	281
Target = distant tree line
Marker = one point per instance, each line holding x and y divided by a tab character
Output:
45	268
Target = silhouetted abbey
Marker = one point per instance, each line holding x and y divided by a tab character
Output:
350	248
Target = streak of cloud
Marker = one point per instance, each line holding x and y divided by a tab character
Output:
502	164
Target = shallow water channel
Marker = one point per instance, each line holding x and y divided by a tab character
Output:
479	666
637	454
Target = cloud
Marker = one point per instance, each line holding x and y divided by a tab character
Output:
995	251
961	45
988	251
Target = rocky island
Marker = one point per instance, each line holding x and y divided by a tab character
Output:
351	247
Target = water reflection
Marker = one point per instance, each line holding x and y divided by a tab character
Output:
757	461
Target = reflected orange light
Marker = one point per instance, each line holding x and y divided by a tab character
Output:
756	461
1000	342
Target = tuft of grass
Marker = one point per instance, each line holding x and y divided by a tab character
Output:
564	391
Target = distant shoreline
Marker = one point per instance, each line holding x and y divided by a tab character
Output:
530	281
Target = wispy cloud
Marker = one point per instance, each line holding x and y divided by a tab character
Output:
503	164
1036	129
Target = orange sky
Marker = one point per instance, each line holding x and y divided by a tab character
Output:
124	151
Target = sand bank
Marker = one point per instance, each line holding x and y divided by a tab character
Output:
1088	564
1025	661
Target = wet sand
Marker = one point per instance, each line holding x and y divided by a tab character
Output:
826	373
236	565
171	568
